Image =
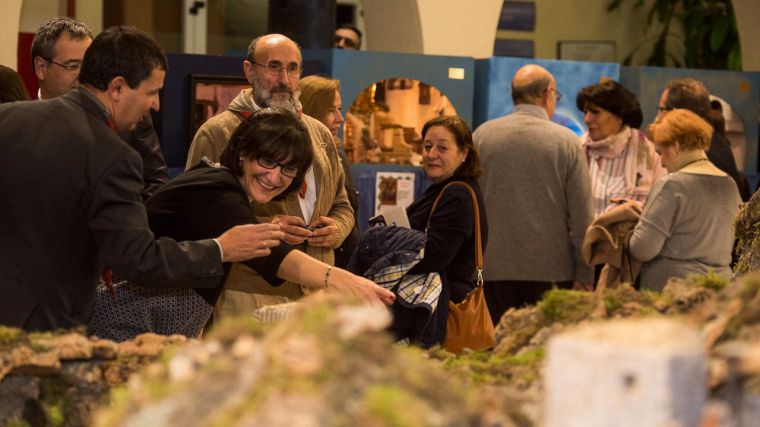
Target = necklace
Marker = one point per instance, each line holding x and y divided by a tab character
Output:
693	161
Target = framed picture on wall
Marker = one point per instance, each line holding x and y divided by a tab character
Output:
210	95
587	50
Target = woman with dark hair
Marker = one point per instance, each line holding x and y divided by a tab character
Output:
687	224
448	156
622	161
320	98
11	86
267	158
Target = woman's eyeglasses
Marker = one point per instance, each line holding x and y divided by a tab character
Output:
288	170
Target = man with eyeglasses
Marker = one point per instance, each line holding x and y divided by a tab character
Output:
319	217
71	194
57	53
691	94
348	37
535	183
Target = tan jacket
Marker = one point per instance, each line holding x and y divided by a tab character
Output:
332	201
606	242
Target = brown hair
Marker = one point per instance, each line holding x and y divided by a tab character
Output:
613	97
48	34
684	127
121	51
470	168
11	86
318	95
690	94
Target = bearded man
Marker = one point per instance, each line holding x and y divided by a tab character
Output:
273	67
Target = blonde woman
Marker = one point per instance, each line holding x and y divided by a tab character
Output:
320	97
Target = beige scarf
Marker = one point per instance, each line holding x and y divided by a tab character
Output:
609	147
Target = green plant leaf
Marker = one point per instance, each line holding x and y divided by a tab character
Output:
719	31
707	33
735	58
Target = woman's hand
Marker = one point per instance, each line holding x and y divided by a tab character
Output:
347	283
625	201
325	232
294	228
300	268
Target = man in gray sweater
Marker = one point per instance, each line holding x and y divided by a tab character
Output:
537	194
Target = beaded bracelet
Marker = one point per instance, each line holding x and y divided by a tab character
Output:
327	274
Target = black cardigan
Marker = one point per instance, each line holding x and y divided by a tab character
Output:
203	203
450	247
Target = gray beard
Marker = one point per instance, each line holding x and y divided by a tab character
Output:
291	103
264	99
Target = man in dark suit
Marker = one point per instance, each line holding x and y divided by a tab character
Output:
57	51
691	94
71	194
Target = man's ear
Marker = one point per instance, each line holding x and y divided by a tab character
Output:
248	70
545	98
116	88
40	68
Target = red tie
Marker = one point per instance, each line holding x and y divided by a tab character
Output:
107	275
302	191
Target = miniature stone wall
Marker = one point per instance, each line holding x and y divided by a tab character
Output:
60	379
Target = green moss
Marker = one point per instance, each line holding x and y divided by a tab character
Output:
395	407
748	233
54	399
707	281
316	318
17	423
492	368
612	303
750	287
230	328
559	305
9	335
529	357
119	402
649	311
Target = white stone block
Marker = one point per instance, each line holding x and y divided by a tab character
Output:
632	372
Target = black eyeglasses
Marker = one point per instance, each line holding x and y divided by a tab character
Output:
288	170
68	67
276	67
661	110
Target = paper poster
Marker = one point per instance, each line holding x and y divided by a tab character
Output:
393	189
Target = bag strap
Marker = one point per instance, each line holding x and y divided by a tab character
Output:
478	242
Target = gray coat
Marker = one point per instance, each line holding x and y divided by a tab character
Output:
686	227
537	195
